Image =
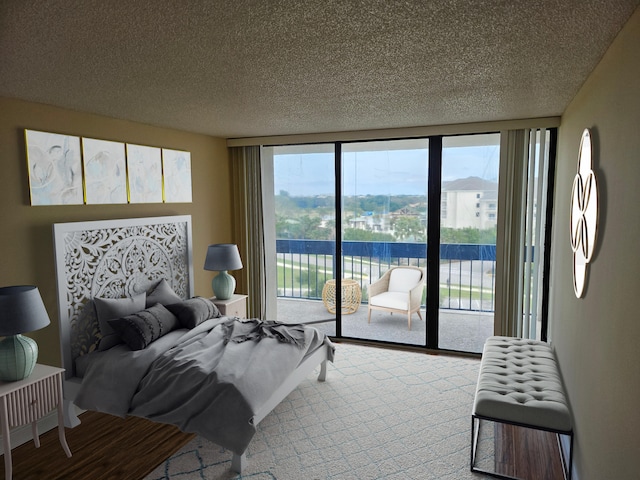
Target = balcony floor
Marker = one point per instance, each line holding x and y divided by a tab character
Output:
459	330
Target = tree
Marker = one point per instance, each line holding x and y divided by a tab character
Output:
409	228
282	227
356	234
468	235
305	227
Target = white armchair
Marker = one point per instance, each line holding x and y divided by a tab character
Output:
399	290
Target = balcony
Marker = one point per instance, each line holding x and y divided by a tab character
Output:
467	289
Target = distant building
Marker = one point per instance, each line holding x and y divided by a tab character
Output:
469	202
370	222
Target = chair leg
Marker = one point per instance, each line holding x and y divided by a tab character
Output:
369	314
409	315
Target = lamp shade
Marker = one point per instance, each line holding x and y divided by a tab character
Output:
21	310
222	257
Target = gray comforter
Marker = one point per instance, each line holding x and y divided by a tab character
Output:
209	380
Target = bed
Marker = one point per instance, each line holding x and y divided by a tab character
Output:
135	341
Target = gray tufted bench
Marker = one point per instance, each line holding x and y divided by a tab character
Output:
520	384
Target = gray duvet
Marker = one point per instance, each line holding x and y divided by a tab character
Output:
209	380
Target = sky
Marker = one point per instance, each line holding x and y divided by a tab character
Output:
380	172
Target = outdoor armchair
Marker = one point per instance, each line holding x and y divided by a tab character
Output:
399	290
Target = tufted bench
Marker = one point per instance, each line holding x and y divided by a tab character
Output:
520	384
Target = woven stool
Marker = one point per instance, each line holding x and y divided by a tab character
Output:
351	296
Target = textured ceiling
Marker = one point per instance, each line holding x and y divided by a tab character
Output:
239	68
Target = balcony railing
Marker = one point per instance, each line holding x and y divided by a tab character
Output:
467	280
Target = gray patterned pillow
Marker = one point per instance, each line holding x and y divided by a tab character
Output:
162	293
110	308
194	311
142	328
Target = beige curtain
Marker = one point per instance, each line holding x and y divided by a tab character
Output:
509	240
522	209
249	227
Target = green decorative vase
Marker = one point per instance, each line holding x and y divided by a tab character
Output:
18	356
223	285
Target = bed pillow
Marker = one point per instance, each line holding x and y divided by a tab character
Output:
162	293
142	328
110	308
194	311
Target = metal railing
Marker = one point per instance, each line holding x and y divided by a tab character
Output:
467	280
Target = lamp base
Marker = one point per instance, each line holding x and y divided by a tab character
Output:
18	356
223	285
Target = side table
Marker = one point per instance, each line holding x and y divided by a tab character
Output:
236	306
27	401
351	296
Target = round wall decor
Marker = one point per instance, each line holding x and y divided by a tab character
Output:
584	213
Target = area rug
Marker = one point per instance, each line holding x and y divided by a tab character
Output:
381	414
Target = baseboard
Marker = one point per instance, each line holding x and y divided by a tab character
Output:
22	434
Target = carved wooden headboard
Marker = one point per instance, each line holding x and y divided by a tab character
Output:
114	259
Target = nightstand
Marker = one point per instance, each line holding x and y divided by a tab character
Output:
27	401
236	306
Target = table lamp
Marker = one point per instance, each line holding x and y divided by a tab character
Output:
222	257
21	310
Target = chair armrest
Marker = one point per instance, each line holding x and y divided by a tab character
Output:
415	295
381	285
376	288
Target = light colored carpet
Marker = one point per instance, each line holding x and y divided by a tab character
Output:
381	414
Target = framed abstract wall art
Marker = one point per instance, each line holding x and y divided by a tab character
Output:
144	167
176	167
70	170
55	168
105	171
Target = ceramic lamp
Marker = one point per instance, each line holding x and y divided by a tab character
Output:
21	310
221	258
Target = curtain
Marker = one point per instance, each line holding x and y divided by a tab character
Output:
249	228
520	247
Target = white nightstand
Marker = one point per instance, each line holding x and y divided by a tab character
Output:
27	401
236	306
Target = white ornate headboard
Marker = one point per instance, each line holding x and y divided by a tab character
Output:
114	259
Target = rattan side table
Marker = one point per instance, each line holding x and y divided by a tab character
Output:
351	296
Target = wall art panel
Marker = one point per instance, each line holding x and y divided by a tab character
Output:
105	171
176	167
55	168
144	166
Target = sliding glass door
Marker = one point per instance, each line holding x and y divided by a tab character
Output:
384	225
304	191
468	227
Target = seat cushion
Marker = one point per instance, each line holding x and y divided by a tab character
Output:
395	300
404	279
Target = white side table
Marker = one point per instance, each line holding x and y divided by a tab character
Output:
236	306
27	401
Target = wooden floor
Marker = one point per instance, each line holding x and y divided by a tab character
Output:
102	446
527	453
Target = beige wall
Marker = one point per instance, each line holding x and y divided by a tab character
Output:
597	338
26	240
